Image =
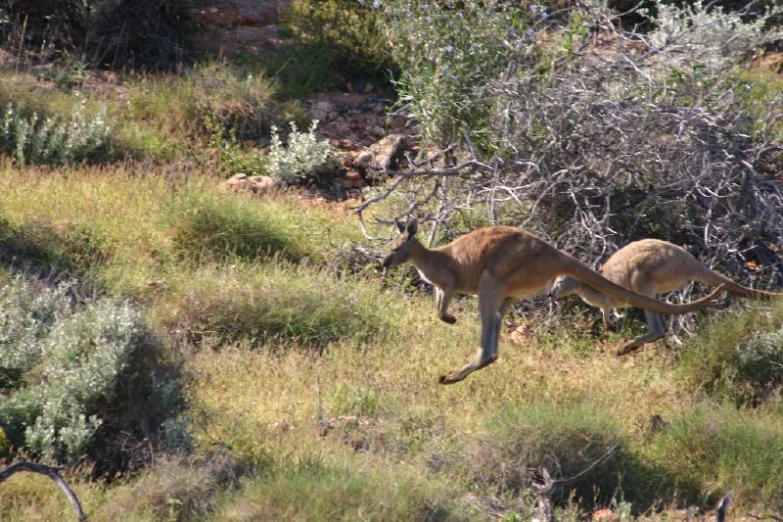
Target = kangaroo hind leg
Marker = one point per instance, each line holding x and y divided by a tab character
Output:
444	296
656	327
492	312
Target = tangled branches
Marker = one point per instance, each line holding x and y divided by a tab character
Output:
620	141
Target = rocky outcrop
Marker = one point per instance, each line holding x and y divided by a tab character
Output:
229	26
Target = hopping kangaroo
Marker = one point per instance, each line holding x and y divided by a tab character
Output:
649	267
501	265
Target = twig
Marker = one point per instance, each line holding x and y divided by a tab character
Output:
550	486
52	473
450	171
723	507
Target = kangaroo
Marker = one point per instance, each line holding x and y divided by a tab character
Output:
501	265
650	267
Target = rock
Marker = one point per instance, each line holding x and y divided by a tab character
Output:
353	180
385	154
321	111
255	184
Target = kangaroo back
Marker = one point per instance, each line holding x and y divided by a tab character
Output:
595	280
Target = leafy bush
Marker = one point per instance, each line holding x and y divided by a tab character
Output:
51	140
304	156
150	34
739	358
447	52
65	368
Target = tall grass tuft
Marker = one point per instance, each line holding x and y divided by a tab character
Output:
722	448
564	440
208	227
272	305
313	489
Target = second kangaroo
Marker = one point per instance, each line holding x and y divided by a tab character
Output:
651	267
501	265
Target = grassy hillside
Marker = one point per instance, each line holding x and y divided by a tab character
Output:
275	373
311	395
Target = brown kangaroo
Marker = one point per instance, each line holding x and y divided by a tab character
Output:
650	267
501	265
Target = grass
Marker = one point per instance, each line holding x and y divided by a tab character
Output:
310	381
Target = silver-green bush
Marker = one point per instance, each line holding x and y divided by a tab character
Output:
51	139
62	365
304	156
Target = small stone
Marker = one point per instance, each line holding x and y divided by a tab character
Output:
385	154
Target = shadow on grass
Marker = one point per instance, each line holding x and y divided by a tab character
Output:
564	441
55	252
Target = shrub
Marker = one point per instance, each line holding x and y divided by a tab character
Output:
66	367
304	156
340	40
739	358
447	52
51	140
594	139
149	34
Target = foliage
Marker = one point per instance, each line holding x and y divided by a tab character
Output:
64	365
739	358
342	41
446	52
604	139
303	157
50	140
705	37
149	34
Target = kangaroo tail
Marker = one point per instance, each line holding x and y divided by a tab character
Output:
714	278
595	280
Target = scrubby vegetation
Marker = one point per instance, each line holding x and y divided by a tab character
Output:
189	352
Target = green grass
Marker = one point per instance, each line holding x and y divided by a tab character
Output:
274	305
311	383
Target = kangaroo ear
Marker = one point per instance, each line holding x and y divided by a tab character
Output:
412	227
400	226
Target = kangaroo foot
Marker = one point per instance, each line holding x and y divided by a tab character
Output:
628	348
449	379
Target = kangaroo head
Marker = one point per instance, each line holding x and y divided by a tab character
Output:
564	286
403	244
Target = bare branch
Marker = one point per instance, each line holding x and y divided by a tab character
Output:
549	486
52	473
